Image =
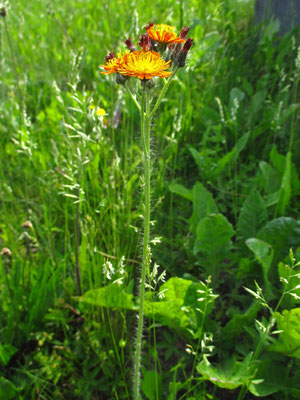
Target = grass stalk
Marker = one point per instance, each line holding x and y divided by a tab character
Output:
14	64
77	230
264	336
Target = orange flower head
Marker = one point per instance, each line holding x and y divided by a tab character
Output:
112	63
163	34
144	65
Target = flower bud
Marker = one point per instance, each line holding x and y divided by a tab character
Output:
148	26
147	83
184	32
129	44
145	42
110	56
121	79
168	56
181	57
175	52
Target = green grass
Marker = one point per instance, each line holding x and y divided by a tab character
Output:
225	141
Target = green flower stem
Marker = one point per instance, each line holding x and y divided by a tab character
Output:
133	97
145	128
162	93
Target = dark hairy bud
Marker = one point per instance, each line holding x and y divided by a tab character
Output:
181	57
184	32
171	47
176	51
148	83
121	79
110	56
148	26
129	44
187	45
145	42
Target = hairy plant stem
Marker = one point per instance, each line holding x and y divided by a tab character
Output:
145	129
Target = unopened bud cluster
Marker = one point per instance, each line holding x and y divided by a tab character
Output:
174	49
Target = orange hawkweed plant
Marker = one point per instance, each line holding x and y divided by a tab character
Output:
161	53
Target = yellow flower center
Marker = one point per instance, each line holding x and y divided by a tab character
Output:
144	65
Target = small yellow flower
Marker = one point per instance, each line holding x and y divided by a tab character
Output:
100	112
163	34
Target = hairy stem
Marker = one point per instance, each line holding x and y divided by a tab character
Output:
145	127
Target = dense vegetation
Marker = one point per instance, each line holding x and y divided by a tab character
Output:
222	307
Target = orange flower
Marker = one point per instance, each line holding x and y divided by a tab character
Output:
163	34
144	65
112	63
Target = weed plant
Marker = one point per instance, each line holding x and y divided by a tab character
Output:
222	305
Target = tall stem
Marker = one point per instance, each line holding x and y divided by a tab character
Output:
21	100
145	128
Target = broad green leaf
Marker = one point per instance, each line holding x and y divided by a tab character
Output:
213	242
174	388
229	375
6	352
182	191
112	295
83	252
288	342
236	326
203	205
257	101
179	308
282	233
41	296
279	162
236	93
252	217
271	378
232	156
151	380
270	177
8	390
264	254
271	199
287	112
285	188
197	157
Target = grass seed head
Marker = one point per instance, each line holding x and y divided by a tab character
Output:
5	252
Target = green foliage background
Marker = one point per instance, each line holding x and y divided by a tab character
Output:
225	204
